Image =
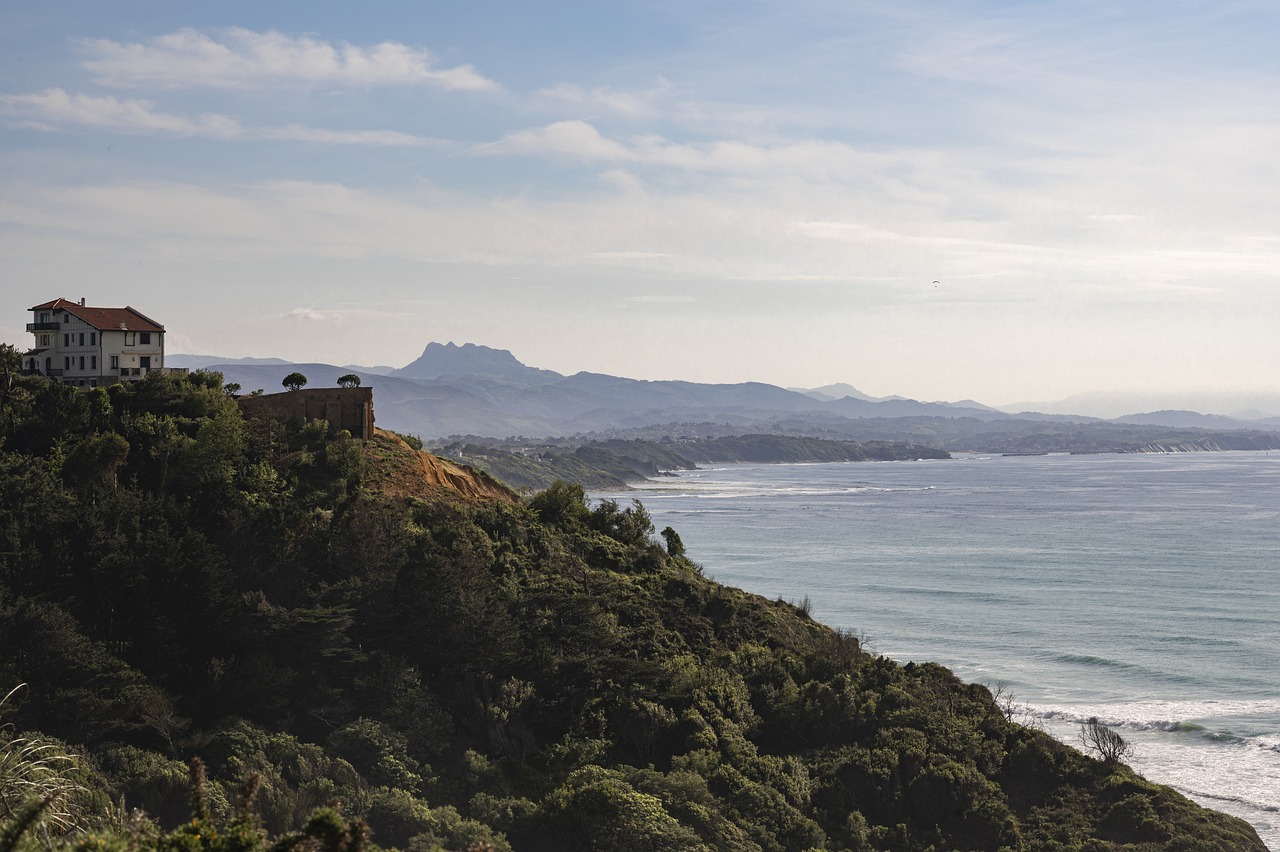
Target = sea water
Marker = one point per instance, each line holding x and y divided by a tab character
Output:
1140	589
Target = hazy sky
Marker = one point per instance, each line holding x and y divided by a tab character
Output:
994	200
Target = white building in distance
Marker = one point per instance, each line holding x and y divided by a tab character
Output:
86	346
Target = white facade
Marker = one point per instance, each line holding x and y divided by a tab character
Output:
89	347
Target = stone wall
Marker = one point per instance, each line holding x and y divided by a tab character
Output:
344	408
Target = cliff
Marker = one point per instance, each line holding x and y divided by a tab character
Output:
395	469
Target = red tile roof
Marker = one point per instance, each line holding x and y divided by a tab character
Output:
104	319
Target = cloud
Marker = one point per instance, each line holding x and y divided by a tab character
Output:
634	104
812	159
246	59
576	139
54	108
304	315
797	235
302	133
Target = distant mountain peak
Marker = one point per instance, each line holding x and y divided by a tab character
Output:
440	360
827	393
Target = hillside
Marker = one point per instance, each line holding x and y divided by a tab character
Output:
459	671
452	391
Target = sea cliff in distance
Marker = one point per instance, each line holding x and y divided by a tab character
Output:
328	620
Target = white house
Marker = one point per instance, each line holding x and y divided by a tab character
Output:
88	347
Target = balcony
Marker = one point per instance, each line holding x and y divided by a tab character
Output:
43	326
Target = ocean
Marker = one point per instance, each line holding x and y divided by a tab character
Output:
1141	589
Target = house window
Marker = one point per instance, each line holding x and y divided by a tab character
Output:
44	340
93	362
144	361
130	338
82	338
66	340
144	337
81	362
93	338
66	362
115	362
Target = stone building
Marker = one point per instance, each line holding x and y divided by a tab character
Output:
345	408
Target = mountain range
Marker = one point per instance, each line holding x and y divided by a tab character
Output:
453	390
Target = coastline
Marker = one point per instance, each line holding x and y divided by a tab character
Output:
912	556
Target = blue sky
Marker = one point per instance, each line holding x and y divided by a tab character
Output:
1002	201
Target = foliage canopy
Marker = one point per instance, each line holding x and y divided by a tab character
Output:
177	581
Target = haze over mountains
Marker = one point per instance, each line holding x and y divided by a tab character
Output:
478	390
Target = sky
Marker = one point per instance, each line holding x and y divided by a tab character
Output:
991	200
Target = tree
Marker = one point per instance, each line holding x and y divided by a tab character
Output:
350	380
294	381
231	389
675	547
563	504
10	358
1103	741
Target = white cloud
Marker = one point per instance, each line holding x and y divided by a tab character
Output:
810	159
304	315
631	104
302	133
246	59
54	108
576	139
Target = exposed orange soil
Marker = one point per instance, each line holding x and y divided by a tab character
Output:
397	470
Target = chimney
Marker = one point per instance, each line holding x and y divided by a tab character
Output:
82	301
123	327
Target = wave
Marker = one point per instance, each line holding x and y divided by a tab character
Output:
1094	661
1198	640
1236	729
725	491
1170	726
1148	673
947	594
1207	708
1233	800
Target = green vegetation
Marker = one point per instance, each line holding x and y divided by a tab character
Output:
611	464
179	582
784	448
294	381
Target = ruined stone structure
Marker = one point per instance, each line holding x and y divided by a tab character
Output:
345	408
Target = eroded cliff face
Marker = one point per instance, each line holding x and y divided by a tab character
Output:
397	470
1216	444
